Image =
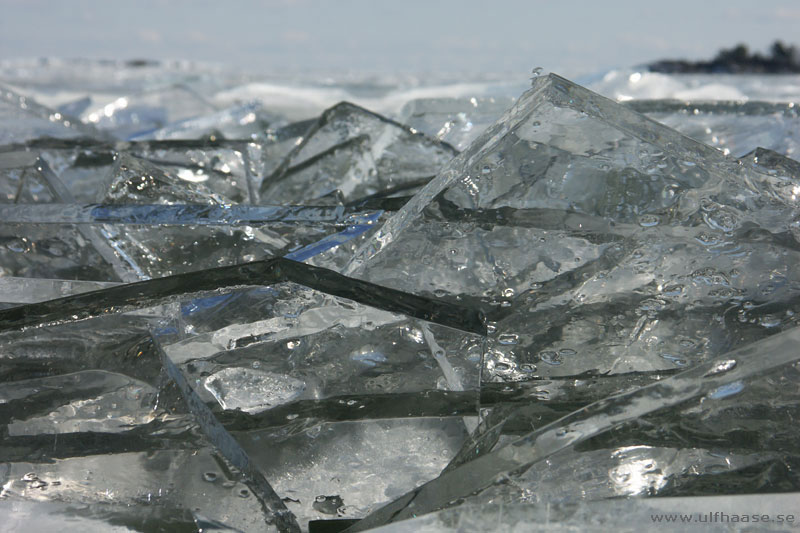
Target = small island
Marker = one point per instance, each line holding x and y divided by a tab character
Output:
782	59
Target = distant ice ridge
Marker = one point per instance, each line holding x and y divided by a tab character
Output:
630	84
116	88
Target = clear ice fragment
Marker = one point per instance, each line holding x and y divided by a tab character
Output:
357	152
457	121
617	236
136	115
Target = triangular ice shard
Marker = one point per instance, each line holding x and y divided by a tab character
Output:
24	119
563	147
356	151
21	181
136	181
232	169
630	246
772	163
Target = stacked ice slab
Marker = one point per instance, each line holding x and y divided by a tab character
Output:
216	317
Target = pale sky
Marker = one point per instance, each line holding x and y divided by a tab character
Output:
405	36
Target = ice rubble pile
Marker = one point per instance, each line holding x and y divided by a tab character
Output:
231	314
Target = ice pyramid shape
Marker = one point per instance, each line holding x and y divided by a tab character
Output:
783	169
565	150
597	240
357	152
21	179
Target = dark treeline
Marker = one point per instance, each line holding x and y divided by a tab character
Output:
782	59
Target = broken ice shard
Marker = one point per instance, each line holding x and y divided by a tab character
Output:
696	393
630	246
157	487
157	242
261	349
14	290
312	371
21	179
578	277
782	169
61	252
313	462
24	119
741	442
86	389
358	153
225	168
228	168
134	180
95	397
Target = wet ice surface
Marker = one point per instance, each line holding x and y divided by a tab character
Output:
241	304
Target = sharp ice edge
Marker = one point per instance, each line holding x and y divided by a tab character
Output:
274	507
34	108
14	290
453	381
205	524
376	145
181	214
739	365
332	241
208	344
599	228
560	393
565	94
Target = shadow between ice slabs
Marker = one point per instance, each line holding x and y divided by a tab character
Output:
153	292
